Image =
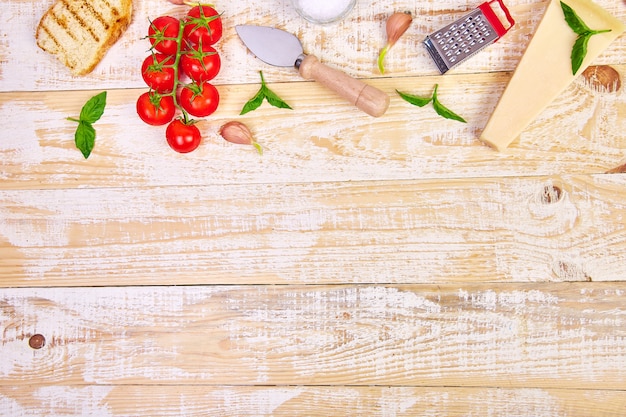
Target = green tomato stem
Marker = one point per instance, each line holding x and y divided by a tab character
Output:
179	53
176	67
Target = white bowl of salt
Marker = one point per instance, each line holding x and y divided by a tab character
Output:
323	11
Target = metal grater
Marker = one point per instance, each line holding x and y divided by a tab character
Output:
461	39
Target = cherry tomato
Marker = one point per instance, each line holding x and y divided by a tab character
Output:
201	63
155	109
203	23
158	72
163	32
199	100
182	137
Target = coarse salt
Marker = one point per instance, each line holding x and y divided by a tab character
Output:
323	11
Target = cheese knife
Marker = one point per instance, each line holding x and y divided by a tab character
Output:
283	49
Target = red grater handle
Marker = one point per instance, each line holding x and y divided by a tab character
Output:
494	19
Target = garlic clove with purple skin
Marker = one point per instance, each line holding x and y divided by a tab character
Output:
236	132
239	133
396	25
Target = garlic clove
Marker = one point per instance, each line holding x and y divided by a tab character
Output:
236	132
396	25
239	133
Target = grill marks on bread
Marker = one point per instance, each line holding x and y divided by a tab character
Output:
79	32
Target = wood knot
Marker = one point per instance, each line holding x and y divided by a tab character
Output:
551	194
37	341
618	170
550	201
570	271
602	78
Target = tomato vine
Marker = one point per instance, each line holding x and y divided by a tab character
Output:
201	25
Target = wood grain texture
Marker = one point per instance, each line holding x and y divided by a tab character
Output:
582	132
301	401
362	266
482	335
303	145
532	229
351	45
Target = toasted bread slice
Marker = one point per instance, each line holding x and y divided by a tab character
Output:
80	32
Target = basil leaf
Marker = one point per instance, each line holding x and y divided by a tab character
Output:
85	138
414	100
254	103
94	108
443	111
573	21
264	93
274	100
85	135
579	51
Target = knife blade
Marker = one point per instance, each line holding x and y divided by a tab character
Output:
283	49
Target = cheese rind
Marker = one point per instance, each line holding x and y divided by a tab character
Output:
545	69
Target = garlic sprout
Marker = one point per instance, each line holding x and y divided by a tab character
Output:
397	24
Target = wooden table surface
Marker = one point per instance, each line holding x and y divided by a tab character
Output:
361	266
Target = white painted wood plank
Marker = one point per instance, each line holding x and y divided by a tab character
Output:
306	401
532	229
466	335
582	132
352	44
460	286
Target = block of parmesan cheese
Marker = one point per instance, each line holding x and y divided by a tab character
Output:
545	69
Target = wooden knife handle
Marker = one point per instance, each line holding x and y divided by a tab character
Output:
369	99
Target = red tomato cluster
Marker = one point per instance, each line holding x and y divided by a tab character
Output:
182	49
